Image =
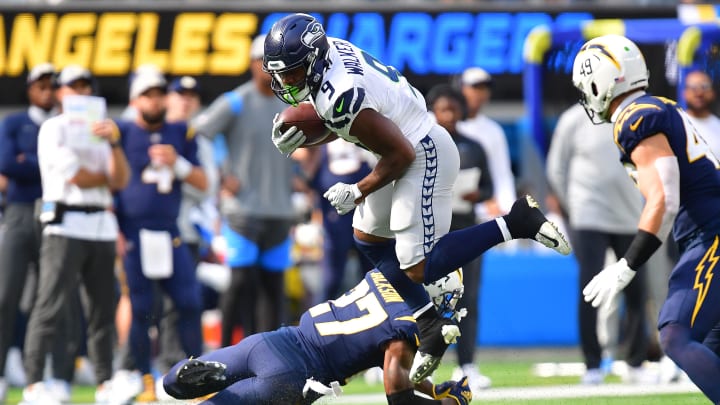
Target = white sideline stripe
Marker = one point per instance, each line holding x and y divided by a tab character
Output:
581	391
525	393
559	391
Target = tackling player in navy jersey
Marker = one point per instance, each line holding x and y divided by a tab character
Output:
679	178
368	326
162	156
404	205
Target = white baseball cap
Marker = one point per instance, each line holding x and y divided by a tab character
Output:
474	76
145	81
73	73
39	71
257	49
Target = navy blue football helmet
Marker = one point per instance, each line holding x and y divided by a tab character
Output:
293	41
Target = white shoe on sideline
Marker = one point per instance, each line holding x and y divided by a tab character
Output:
593	376
3	390
125	386
14	369
475	378
103	393
669	371
38	394
84	372
107	394
60	389
641	376
373	376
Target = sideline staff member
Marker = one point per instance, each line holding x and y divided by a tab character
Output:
78	174
20	244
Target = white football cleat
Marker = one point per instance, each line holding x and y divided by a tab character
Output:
424	364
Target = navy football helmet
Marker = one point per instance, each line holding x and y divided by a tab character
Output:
293	41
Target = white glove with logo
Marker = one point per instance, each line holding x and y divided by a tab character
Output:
342	196
606	284
286	142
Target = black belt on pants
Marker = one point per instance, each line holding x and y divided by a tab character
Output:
52	213
88	209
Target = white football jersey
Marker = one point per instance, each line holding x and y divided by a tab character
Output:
355	80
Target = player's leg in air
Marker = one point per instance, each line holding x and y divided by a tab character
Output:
690	317
250	372
417	209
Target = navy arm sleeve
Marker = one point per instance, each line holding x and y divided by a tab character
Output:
27	170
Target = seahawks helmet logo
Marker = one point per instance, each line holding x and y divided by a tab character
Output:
312	33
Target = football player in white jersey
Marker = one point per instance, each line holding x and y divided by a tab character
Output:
404	204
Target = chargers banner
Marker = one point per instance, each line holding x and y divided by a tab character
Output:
213	44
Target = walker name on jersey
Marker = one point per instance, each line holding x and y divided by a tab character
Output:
348	57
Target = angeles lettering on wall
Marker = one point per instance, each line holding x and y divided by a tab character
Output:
426	47
114	43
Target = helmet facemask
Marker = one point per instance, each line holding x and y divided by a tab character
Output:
296	93
596	108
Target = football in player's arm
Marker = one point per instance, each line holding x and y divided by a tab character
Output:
680	179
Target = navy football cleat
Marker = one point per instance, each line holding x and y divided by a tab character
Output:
198	372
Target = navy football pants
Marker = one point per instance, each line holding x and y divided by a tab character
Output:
258	372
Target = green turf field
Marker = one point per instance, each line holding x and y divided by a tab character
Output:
506	374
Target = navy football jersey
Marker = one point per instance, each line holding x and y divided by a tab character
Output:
19	134
347	335
699	168
153	193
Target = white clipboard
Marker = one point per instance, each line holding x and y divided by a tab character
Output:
81	113
467	181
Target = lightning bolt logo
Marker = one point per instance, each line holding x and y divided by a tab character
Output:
702	284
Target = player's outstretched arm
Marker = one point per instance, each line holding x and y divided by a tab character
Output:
659	181
400	391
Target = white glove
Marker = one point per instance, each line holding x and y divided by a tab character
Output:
342	196
286	142
606	284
